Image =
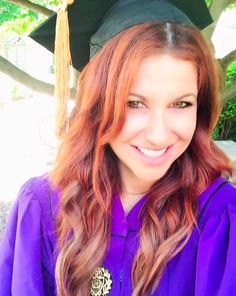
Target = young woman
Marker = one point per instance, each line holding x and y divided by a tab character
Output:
136	203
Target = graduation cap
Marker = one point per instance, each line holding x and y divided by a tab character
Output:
82	27
109	17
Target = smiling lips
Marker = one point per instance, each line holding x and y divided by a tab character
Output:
150	152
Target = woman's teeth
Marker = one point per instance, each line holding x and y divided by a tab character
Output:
152	153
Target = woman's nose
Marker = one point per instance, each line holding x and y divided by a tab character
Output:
158	129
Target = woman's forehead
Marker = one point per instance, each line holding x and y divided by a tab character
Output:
163	70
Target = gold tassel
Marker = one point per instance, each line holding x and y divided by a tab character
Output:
62	67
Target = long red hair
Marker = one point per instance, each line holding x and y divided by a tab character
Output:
86	168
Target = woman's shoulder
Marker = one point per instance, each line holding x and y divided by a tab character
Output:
29	240
220	196
35	209
216	257
41	191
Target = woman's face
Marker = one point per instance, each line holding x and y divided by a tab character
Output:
160	120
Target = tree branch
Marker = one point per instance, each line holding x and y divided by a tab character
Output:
228	59
32	6
20	76
229	2
216	8
209	7
27	80
228	94
233	79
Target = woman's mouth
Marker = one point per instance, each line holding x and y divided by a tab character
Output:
150	152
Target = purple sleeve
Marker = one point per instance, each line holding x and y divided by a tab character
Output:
20	249
216	257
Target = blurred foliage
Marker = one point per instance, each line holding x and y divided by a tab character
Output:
226	126
9	11
231	72
21	20
208	2
25	23
51	4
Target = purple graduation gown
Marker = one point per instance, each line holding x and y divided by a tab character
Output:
206	266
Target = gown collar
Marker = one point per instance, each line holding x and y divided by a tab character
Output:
121	223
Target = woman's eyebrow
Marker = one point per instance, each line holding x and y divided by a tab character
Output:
139	96
178	98
187	95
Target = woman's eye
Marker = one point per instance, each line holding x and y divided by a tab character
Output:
134	104
182	104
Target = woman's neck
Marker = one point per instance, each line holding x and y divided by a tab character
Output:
129	200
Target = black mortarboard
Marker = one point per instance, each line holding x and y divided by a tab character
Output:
108	17
81	27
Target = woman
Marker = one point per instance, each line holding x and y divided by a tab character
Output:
138	205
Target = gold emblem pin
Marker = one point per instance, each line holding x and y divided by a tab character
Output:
101	282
